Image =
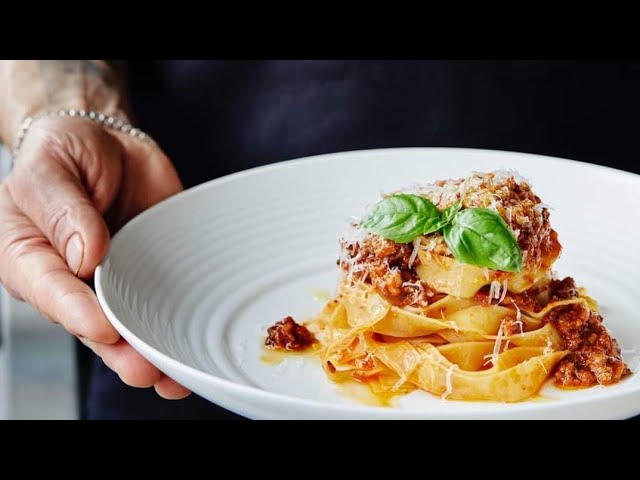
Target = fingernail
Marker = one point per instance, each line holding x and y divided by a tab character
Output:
74	253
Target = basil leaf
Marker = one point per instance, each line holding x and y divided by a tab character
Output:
446	217
402	218
479	236
450	212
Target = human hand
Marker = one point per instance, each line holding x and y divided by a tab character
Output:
73	183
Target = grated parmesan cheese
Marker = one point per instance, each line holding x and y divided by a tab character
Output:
541	206
448	383
542	365
520	325
497	345
487	359
518	317
416	247
418	288
399	383
354	235
505	284
522	210
494	290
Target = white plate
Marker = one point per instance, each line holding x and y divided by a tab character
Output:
194	282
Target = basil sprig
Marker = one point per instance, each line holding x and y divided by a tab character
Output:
476	236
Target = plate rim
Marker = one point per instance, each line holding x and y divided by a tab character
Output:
285	399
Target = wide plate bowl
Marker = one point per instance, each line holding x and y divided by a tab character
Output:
194	282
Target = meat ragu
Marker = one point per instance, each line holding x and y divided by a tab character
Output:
389	267
289	335
594	356
410	315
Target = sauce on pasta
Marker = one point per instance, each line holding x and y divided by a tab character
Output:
409	316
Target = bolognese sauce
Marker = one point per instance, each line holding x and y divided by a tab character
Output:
432	308
289	335
594	356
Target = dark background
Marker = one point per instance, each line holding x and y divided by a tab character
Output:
218	117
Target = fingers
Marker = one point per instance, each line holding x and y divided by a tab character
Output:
171	390
62	189
51	229
132	368
32	270
135	370
63	212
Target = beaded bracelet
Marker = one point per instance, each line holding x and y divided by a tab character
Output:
108	121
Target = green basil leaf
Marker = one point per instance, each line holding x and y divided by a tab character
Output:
446	217
450	212
479	236
402	218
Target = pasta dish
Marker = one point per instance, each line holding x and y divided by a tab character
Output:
449	288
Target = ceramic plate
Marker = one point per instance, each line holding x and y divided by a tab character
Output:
194	282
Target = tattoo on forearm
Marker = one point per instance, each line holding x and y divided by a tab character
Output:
36	86
64	78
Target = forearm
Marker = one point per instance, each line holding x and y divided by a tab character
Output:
29	87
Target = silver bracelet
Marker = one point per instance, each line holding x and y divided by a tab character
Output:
108	121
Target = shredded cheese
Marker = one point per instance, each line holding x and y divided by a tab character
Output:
449	384
487	359
416	247
497	345
541	206
504	291
354	235
542	365
518	312
417	284
418	288
364	277
520	324
494	291
399	384
485	271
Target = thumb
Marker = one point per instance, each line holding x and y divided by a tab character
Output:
48	185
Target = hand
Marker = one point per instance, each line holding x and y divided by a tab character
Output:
71	175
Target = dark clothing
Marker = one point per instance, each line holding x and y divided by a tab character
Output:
110	399
218	117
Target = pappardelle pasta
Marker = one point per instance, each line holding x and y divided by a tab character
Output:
448	288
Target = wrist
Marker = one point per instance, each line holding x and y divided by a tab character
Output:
10	126
115	124
34	88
